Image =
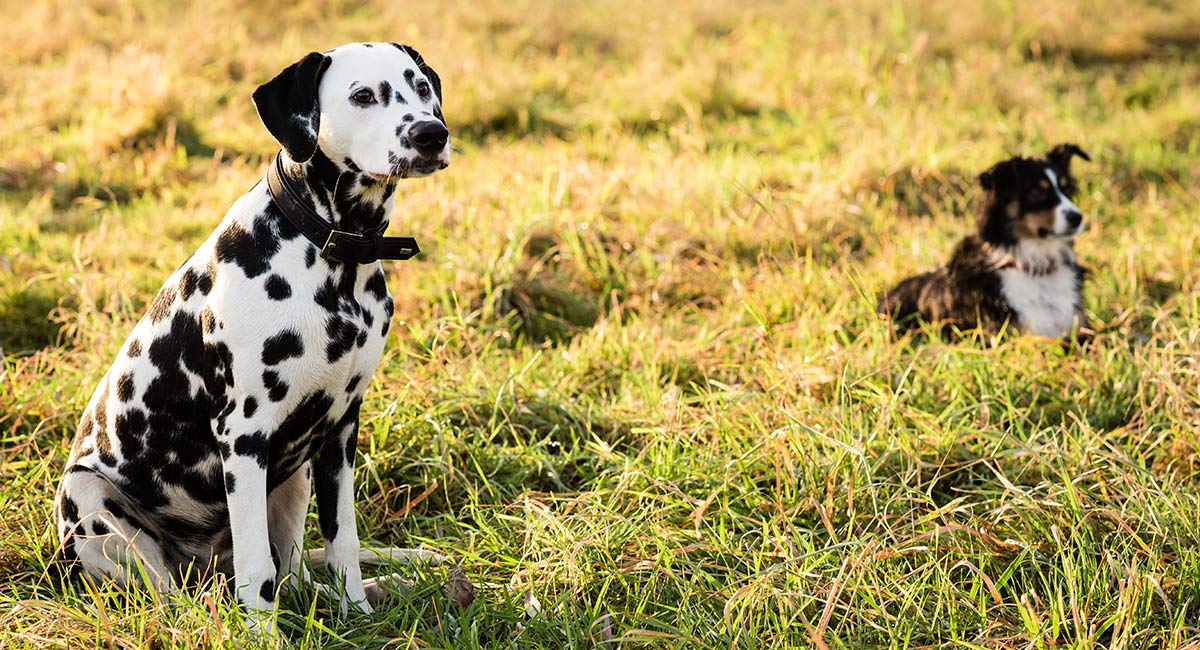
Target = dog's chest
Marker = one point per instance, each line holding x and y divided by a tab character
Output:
1045	305
341	332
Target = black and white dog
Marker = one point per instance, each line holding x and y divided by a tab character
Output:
239	391
1018	269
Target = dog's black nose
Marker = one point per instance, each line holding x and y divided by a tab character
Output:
429	137
1074	219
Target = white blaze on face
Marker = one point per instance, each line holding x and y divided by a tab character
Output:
1065	206
373	135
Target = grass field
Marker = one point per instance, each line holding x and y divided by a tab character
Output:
635	383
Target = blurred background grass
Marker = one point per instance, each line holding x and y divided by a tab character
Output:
636	371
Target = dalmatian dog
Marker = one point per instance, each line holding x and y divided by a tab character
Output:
238	393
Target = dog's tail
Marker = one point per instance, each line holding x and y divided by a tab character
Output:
412	556
457	587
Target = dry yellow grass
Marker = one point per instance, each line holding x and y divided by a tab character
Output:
636	373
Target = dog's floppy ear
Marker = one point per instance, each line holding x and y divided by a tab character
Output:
1061	155
987	179
1001	177
290	108
434	79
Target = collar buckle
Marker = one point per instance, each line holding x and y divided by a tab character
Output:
329	251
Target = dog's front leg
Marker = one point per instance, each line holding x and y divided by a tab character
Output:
333	480
246	495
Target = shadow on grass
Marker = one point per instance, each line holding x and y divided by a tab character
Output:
1163	45
25	323
920	192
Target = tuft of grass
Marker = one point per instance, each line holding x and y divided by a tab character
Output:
637	388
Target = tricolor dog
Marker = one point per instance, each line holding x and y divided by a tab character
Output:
1018	269
238	392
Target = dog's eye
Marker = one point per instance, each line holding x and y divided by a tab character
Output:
1037	194
423	89
363	96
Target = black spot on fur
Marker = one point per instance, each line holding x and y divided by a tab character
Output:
125	387
325	484
208	320
188	284
267	591
277	389
135	348
131	431
161	307
98	528
353	383
68	550
205	284
278	288
385	93
284	345
351	445
249	407
230	482
310	256
252	251
388	308
377	285
408	117
114	508
327	297
103	443
253	445
70	511
342	335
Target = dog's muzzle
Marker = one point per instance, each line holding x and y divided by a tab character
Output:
429	138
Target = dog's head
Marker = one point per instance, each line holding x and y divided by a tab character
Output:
374	108
1030	199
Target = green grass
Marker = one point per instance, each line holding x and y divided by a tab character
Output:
636	374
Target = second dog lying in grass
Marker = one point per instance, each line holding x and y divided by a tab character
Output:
1018	269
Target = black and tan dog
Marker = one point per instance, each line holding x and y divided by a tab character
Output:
1018	269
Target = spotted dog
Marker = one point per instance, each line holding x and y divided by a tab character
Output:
238	393
1018	269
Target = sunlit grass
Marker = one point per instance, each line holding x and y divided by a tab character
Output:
636	376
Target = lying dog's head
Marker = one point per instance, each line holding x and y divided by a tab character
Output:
1029	199
374	108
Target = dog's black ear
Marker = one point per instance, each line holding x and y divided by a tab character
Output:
434	79
987	179
1061	155
290	108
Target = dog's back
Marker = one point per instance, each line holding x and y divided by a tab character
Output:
962	295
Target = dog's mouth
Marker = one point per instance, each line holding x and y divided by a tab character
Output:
1046	233
425	167
414	168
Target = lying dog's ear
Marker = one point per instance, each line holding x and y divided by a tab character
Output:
290	108
1060	156
434	79
987	179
